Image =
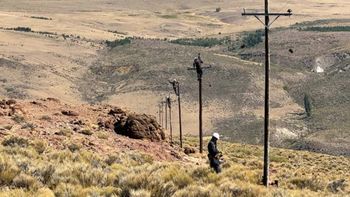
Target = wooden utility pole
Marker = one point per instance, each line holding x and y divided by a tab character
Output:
166	114
168	99
176	87
267	25
197	65
162	113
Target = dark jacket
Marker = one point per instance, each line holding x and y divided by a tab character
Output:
212	148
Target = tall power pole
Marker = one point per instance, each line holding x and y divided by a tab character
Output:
267	25
176	87
197	65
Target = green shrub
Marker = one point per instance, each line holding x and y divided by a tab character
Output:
18	119
202	42
252	39
115	43
65	132
28	125
328	29
15	141
24	29
73	147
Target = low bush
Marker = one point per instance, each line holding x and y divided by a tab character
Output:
18	119
202	42
115	43
15	141
252	39
328	28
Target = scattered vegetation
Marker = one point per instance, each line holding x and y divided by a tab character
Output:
115	43
18	119
328	29
202	42
24	29
252	39
41	18
15	141
169	16
65	132
28	29
24	171
117	32
28	125
218	9
73	147
45	117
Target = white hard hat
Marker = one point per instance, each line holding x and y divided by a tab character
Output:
216	135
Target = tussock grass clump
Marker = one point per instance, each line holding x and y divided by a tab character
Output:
39	146
311	183
8	170
24	181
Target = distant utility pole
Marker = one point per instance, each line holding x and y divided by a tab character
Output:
160	113
166	113
197	66
168	100
267	25
176	87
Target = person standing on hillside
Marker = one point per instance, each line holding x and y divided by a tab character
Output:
214	154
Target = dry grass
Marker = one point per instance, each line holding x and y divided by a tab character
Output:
29	172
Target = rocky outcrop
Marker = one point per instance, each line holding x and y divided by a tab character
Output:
139	127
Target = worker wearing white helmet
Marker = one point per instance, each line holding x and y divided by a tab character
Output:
214	154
